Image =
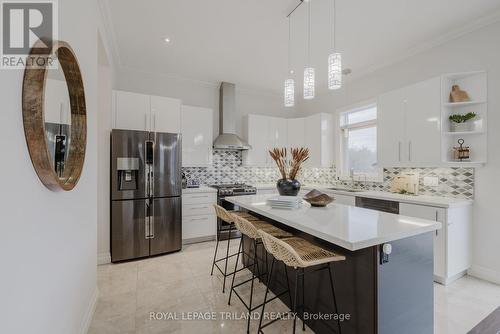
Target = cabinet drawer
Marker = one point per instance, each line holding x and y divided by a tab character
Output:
197	209
197	198
198	226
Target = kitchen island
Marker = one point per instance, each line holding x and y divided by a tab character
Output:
381	293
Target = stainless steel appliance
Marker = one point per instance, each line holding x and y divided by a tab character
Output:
226	190
145	194
378	204
227	139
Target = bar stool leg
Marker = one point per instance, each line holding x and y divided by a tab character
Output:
265	296
251	284
256	259
334	299
227	258
234	272
295	293
216	248
303	299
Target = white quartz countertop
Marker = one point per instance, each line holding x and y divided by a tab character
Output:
347	226
201	189
437	201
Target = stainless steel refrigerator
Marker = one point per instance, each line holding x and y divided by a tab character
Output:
145	194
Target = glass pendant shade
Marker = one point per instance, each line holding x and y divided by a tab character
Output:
308	83
334	71
289	93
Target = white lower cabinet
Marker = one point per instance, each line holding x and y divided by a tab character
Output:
451	242
199	222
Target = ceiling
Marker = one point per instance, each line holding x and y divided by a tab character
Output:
245	41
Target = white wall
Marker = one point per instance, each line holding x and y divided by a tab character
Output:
203	94
478	50
48	239
105	85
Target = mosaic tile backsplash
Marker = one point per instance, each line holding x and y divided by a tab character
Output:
228	167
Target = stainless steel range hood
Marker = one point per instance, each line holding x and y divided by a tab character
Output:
227	139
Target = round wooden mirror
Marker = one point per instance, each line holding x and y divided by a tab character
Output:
54	116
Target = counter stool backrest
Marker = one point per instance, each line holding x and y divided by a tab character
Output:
302	254
280	250
224	214
246	227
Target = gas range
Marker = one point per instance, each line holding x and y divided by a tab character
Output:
236	189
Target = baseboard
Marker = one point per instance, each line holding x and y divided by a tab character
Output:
103	258
197	240
485	274
89	314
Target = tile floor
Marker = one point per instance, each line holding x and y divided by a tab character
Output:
181	282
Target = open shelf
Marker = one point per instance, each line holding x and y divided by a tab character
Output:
475	84
465	163
463	133
462	104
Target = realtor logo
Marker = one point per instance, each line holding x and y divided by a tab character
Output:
23	24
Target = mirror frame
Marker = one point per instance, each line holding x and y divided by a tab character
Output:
33	97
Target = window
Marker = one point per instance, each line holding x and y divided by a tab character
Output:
358	128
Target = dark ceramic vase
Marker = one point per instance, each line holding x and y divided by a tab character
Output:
287	187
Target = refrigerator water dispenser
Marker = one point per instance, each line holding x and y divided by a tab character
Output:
127	173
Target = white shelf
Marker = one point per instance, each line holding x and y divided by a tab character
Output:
476	85
462	104
465	163
463	133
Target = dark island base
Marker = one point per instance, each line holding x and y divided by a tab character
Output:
396	297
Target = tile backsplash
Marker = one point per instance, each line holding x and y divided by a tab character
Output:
227	167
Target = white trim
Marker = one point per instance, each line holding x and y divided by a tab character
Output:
341	173
483	273
89	314
109	32
103	258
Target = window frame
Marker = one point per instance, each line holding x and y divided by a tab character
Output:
343	171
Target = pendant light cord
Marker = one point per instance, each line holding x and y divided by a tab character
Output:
332	23
309	33
289	43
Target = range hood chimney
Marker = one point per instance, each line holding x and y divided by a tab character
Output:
227	139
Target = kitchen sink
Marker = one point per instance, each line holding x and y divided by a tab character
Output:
350	190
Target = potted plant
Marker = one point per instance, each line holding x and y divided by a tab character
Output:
460	123
288	185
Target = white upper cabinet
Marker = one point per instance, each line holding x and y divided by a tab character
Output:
166	114
131	111
390	128
277	132
409	129
197	136
258	136
318	132
296	132
314	132
423	120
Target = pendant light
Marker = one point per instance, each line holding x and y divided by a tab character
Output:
308	71
335	58
289	83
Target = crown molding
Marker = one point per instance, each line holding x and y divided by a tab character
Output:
109	33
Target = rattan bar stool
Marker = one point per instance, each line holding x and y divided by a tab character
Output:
250	229
299	254
228	217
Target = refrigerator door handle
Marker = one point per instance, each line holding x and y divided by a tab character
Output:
146	225
152	227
